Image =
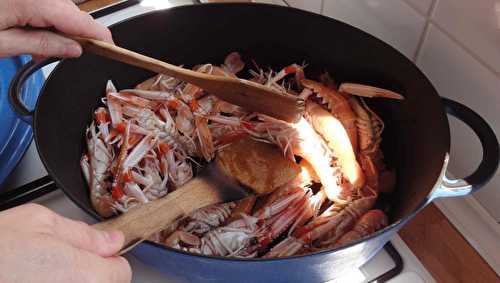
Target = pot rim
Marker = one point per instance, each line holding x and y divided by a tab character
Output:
393	226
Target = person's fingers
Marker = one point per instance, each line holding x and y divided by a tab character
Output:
104	270
78	234
83	236
38	58
39	43
63	15
82	24
8	13
118	270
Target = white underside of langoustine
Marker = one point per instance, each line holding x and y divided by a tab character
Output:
145	141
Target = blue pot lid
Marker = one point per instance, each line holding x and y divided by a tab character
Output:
15	134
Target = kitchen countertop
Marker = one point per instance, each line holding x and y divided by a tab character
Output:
443	251
92	5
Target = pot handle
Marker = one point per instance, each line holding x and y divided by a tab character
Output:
15	88
489	163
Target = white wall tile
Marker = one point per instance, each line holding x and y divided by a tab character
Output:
423	6
474	23
310	5
392	21
457	75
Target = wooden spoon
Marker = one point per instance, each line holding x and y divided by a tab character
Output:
249	95
243	168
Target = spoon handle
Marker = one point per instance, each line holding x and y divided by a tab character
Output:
250	95
140	222
120	54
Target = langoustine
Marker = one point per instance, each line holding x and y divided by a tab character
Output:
145	142
330	225
370	127
337	139
245	236
96	169
186	231
369	223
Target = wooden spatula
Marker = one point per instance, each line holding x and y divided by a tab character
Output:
243	168
250	95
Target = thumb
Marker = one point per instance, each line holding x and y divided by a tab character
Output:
82	236
17	41
106	270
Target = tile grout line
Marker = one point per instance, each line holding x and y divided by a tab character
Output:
421	40
425	30
409	4
466	49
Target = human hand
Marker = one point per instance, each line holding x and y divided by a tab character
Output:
38	245
63	15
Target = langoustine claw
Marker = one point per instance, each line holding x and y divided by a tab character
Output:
368	91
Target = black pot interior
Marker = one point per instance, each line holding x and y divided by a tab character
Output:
416	136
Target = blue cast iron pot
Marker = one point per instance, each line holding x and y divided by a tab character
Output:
15	134
416	139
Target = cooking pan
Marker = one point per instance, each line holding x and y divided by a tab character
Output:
15	136
416	140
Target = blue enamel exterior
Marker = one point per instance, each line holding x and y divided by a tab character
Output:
15	134
321	267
